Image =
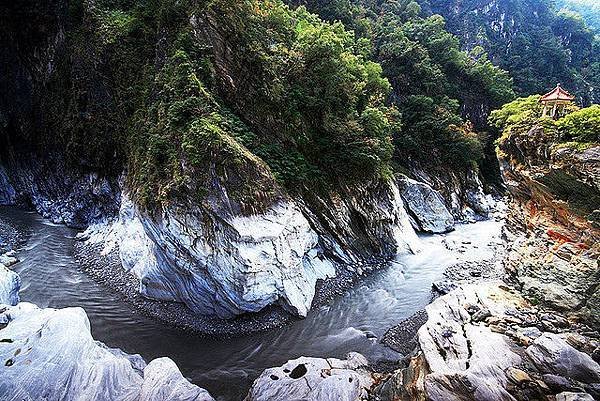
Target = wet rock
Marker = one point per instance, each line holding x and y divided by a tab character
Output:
552	354
426	206
50	354
314	379
559	384
10	284
567	396
8	259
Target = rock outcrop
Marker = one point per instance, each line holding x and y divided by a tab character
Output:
224	264
57	191
10	284
426	206
315	379
486	342
463	192
50	354
553	221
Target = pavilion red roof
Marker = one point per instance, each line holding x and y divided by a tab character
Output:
557	93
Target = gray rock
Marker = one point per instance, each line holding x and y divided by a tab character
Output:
8	195
217	265
10	284
224	264
465	360
552	354
314	379
58	192
426	206
50	354
559	384
567	396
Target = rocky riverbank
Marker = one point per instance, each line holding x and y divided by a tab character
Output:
51	354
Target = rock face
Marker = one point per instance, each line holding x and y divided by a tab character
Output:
426	206
553	227
8	195
465	359
57	191
225	264
552	354
50	354
463	193
314	379
10	284
486	342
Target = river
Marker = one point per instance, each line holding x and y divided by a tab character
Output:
51	278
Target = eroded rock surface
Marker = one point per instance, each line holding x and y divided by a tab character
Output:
486	342
10	283
50	354
554	236
314	379
226	264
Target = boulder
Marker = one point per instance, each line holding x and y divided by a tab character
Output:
466	359
314	379
552	354
50	354
10	284
567	396
219	262
426	206
219	265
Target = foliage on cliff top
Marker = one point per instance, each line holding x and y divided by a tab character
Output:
536	42
579	126
307	107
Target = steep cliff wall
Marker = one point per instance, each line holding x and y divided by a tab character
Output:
553	219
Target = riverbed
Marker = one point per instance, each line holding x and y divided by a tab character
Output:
354	321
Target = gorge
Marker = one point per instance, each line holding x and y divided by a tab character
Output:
301	200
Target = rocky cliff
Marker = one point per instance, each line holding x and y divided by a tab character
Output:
553	219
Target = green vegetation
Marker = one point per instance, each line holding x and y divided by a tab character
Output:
576	130
581	126
538	44
438	89
588	9
297	100
256	92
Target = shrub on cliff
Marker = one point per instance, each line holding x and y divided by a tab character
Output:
582	125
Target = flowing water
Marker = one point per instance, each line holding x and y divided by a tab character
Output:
51	277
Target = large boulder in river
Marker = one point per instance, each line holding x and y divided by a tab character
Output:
50	354
314	379
426	206
10	283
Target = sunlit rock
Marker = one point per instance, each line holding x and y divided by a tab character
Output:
314	379
10	283
224	265
50	354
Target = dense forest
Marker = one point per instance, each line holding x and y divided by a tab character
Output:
310	94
